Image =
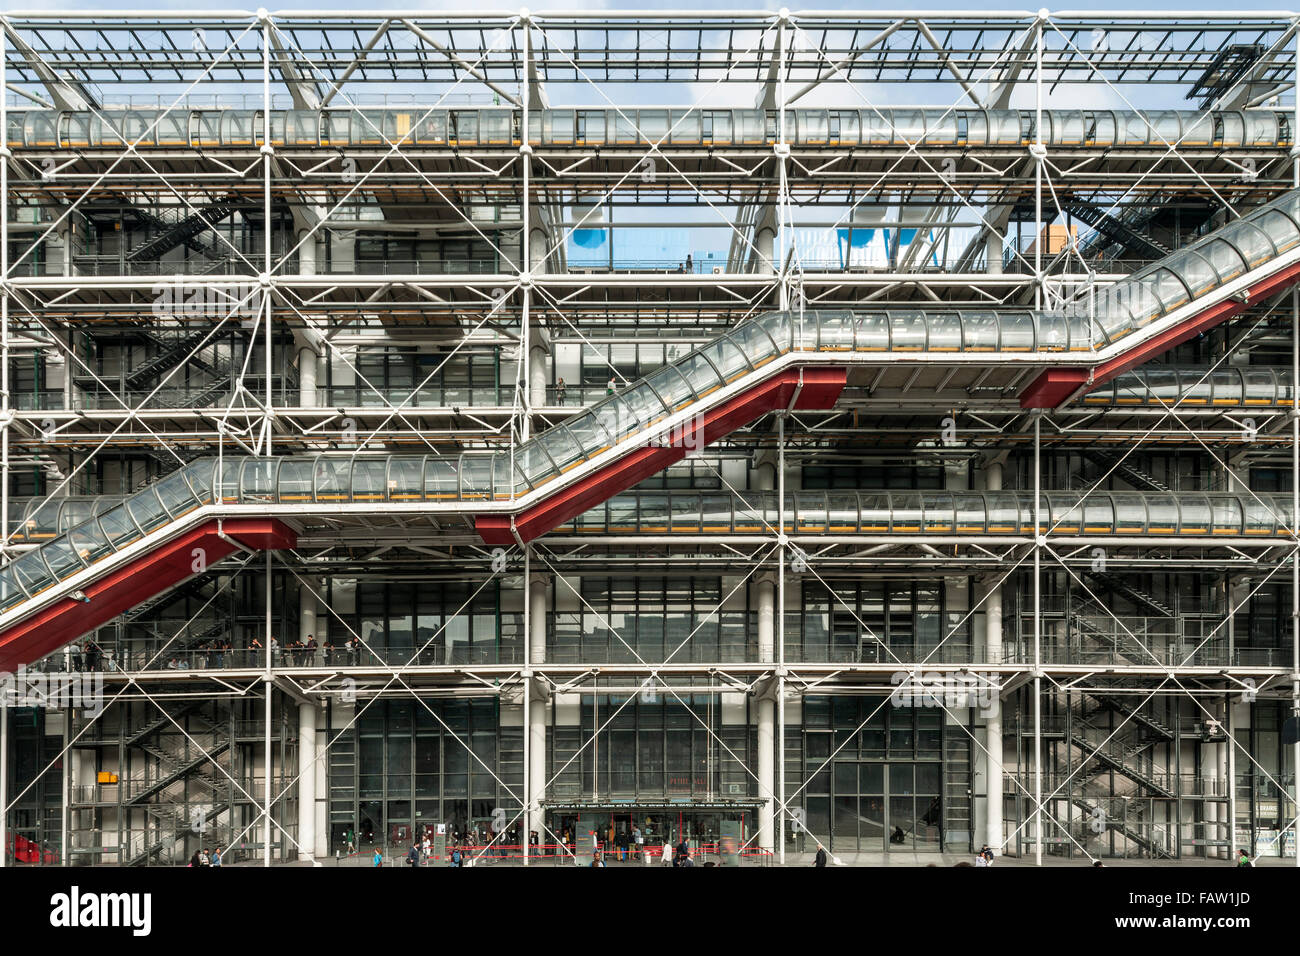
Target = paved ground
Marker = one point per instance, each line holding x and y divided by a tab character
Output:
849	859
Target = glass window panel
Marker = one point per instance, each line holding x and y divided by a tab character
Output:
563	448
1196	516
757	345
981	331
1017	331
1226	260
147	510
32	572
119	527
1227	515
702	376
1195	271
871	332
89	542
1279	228
908	329
1250	241
369	479
945	331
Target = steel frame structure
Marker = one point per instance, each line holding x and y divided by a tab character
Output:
290	291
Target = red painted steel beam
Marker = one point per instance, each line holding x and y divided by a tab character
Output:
1055	385
820	390
129	585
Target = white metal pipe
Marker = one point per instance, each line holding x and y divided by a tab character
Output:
4	783
1038	637
306	780
780	639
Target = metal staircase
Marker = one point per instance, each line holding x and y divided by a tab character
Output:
1084	830
172	352
1131	236
1117	760
1132	592
183	232
1139	478
173	827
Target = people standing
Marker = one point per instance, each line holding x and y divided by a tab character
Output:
378	857
559	391
820	859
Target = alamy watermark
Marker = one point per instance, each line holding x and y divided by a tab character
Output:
182	298
57	691
940	689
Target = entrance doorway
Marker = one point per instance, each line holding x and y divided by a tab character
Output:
607	828
889	807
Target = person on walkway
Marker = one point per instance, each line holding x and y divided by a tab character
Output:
638	842
379	857
559	392
216	857
609	386
413	856
820	859
1243	859
666	854
597	859
682	855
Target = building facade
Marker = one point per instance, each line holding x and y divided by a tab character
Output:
775	431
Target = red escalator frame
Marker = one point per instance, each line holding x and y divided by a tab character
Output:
820	390
135	582
1055	385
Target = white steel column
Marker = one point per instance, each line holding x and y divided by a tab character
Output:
766	588
1039	151
780	637
266	152
66	816
535	716
306	780
307	713
4	777
266	754
1038	621
993	719
307	608
307	362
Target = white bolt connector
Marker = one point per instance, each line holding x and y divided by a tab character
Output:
1038	151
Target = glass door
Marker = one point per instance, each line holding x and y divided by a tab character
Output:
886	807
